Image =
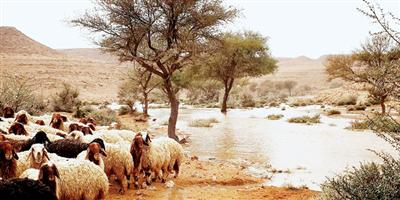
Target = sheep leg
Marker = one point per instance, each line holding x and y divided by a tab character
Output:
122	182
148	178
176	169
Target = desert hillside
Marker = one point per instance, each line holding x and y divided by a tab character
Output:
96	79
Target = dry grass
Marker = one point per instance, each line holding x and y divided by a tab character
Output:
359	125
203	122
333	112
274	117
305	119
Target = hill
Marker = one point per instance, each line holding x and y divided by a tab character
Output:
13	41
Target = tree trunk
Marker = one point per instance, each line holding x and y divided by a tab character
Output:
228	86
383	106
146	104
173	117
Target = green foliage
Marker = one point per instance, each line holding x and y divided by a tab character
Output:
66	99
305	119
274	117
104	117
369	181
203	122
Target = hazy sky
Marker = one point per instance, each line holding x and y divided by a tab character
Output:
295	27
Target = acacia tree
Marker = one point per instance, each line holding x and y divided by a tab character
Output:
238	55
161	35
139	84
387	21
376	66
289	85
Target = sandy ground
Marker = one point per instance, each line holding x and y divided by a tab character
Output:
205	179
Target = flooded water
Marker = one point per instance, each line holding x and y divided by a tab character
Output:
305	154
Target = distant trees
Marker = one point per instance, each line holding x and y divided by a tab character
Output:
162	36
376	66
137	86
238	55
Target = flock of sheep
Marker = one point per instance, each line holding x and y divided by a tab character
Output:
76	160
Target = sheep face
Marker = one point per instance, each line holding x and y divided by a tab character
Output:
94	152
8	112
38	153
40	122
48	173
91	120
74	127
83	120
137	148
17	129
92	126
75	135
86	130
41	138
7	151
56	121
22	118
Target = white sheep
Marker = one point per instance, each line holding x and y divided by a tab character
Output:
162	154
30	173
33	158
109	138
94	154
81	179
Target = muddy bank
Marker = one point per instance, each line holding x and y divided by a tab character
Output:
213	180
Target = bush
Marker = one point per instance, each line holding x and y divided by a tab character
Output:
356	107
347	100
82	111
305	119
359	125
66	99
124	110
18	92
203	122
333	112
104	117
369	181
247	101
274	117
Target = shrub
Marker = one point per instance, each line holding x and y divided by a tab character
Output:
274	117
369	181
333	112
124	110
18	92
82	111
247	101
306	119
359	125
104	117
203	122
66	99
273	104
347	100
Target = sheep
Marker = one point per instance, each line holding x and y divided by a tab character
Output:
118	161
23	117
81	179
109	138
40	122
8	160
2	137
38	155
163	154
24	143
8	112
47	174
25	189
93	154
17	129
69	148
57	122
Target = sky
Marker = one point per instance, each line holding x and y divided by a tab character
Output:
294	27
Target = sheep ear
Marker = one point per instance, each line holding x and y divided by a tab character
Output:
46	154
147	140
103	152
29	155
15	155
56	173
